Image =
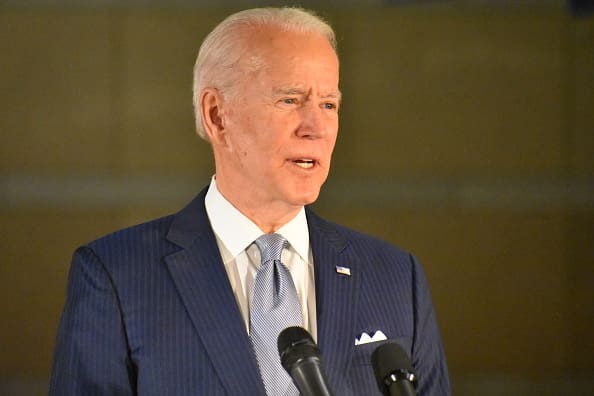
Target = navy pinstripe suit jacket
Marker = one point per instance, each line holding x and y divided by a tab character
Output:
150	311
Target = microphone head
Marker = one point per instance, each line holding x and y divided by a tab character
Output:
294	345
392	364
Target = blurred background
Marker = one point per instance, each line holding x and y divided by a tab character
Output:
467	137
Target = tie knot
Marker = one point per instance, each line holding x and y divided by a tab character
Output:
271	246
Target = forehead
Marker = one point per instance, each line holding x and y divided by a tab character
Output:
287	54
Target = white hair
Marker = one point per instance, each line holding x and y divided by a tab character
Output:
223	48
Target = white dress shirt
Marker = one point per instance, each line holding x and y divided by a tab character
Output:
236	234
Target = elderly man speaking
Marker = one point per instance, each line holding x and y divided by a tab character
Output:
192	303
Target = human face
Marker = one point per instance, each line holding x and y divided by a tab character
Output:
281	122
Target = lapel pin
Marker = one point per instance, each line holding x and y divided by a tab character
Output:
343	270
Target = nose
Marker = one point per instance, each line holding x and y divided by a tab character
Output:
313	121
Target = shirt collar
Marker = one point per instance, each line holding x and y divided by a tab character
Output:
237	232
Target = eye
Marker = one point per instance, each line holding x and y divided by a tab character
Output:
330	106
289	101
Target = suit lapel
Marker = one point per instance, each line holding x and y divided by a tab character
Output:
204	287
336	299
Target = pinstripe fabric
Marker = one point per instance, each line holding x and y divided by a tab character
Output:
150	311
275	307
386	291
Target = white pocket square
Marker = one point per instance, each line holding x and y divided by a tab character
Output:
366	338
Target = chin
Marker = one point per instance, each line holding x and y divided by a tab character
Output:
307	197
302	192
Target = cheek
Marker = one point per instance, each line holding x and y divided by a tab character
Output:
331	141
255	154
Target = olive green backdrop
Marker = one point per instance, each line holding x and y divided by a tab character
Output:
467	136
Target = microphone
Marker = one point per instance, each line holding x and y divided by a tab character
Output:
300	356
393	370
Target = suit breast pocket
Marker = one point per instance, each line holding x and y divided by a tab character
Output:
361	376
363	352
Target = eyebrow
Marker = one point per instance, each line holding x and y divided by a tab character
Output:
289	91
333	95
298	91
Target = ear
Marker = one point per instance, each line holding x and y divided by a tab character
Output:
211	104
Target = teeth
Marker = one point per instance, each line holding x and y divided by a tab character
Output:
305	163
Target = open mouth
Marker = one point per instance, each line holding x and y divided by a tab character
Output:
305	163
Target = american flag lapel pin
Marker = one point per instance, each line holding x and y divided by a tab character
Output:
343	270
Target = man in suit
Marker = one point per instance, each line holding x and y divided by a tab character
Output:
166	307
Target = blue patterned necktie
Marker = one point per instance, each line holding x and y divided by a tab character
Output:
275	307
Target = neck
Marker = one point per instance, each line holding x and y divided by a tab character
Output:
268	216
270	222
